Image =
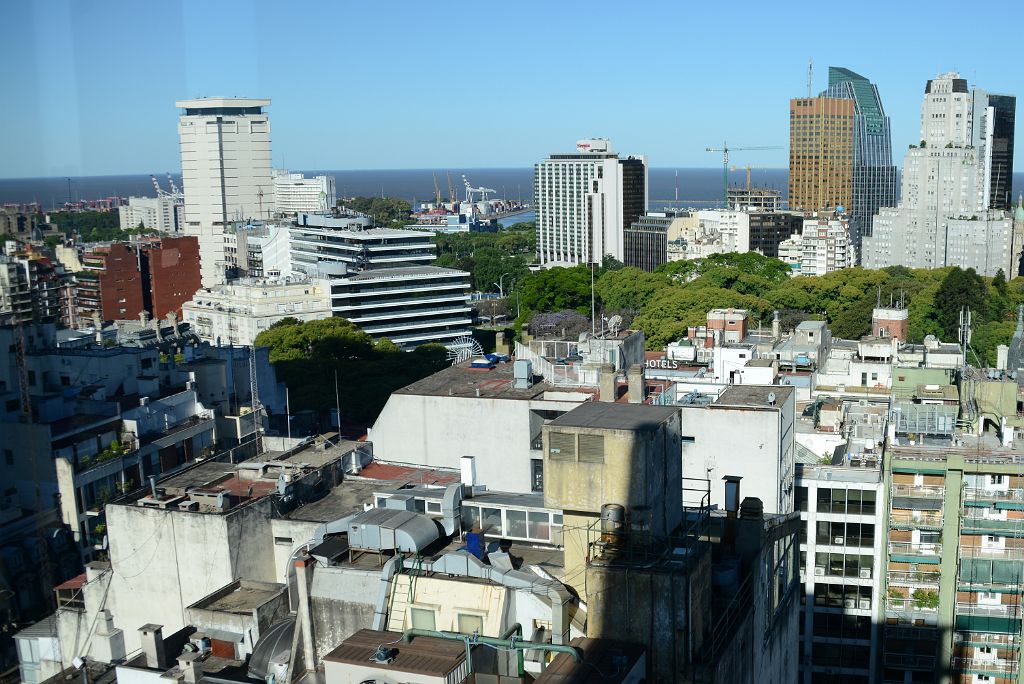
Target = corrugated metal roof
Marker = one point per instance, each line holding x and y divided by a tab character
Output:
45	628
422	655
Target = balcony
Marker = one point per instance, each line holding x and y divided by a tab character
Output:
919	491
1000	610
914	579
981	639
992	553
908	552
910	633
915	520
910	661
982	494
996	667
973	523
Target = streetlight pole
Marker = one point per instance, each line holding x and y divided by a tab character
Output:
501	289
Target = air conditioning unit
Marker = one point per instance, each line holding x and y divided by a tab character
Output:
864	604
849	603
865	573
839	540
819	570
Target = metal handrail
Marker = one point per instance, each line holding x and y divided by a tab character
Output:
910	548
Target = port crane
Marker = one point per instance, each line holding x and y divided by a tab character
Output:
470	191
174	187
437	192
725	150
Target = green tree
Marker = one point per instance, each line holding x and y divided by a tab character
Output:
960	289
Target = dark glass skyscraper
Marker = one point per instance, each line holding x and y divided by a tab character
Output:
874	176
1001	185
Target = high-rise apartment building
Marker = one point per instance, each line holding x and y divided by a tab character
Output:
162	213
1003	117
585	200
874	176
945	214
645	241
295	194
820	153
225	169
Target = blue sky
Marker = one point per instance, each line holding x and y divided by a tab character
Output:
89	87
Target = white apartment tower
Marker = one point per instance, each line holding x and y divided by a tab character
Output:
296	194
585	200
944	216
226	172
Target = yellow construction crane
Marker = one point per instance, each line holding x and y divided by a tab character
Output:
437	192
725	149
451	190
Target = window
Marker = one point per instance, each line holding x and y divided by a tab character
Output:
422	618
470	624
490	522
995	479
515	523
537	475
470	518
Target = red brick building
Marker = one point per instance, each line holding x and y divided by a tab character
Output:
121	280
170	274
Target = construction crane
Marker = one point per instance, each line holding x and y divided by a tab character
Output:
470	190
174	187
725	150
451	190
437	192
748	167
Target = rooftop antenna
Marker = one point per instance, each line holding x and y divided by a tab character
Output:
810	75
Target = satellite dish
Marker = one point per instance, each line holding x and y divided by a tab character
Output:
771	398
464	348
614	323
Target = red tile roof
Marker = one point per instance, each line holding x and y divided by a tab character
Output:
73	583
389	471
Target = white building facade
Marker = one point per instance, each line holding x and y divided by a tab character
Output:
585	200
163	213
943	218
226	172
294	193
235	313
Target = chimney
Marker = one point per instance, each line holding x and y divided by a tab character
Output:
190	667
152	638
635	381
607	382
467	468
775	325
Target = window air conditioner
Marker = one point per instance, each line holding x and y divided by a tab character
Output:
849	603
838	540
819	570
864	604
865	573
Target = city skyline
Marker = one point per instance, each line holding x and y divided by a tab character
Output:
96	83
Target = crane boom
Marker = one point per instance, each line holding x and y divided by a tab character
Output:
725	149
156	186
437	191
174	186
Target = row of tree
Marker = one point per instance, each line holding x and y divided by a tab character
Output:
679	294
92	226
495	260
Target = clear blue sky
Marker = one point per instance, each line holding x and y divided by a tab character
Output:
89	86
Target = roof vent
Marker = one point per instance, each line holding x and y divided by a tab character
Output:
383	655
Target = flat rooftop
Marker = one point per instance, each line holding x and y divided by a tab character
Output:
614	416
399	272
241	597
753	395
462	381
214	102
422	656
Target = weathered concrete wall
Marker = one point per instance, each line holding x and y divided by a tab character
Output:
343	602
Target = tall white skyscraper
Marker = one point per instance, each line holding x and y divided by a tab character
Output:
226	173
943	218
585	200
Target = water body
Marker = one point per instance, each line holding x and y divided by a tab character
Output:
692	187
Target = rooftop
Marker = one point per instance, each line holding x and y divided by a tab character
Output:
614	416
213	102
462	381
241	597
604	660
753	395
423	655
402	272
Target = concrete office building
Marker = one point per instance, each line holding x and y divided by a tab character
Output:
164	213
295	194
750	231
225	169
236	312
823	246
382	279
944	216
645	241
585	200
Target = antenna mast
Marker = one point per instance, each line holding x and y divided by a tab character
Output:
810	75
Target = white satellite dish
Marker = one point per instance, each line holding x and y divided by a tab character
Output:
614	323
771	398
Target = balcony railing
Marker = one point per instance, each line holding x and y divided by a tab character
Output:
903	632
982	494
919	491
907	605
987	610
900	519
912	661
912	549
996	666
970	520
982	639
914	579
1007	553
